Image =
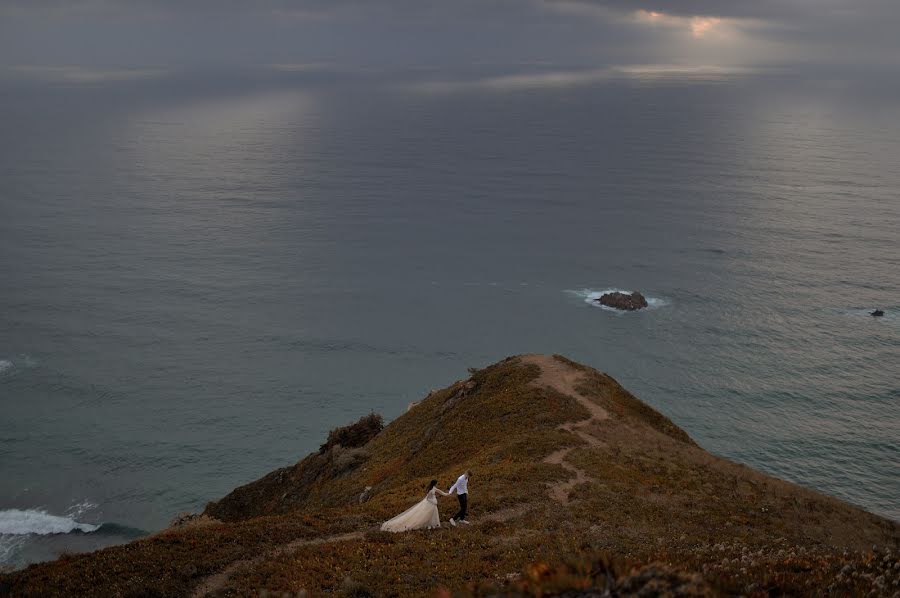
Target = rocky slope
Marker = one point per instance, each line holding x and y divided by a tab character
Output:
579	489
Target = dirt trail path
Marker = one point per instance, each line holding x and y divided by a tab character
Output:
504	514
556	375
217	581
563	378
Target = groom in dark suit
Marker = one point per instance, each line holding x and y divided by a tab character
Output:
461	487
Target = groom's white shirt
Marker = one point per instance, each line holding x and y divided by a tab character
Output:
461	486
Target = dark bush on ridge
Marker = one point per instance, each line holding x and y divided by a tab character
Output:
356	434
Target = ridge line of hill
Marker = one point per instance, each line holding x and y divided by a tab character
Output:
579	489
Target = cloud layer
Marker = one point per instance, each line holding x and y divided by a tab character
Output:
123	34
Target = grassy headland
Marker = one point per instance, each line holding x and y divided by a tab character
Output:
578	486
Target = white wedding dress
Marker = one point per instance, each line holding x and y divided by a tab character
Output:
422	515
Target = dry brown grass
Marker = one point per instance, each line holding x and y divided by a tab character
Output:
650	496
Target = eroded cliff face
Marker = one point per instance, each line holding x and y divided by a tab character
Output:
291	488
576	484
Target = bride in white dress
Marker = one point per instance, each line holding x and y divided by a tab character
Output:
422	515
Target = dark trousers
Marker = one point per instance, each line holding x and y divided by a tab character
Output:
463	503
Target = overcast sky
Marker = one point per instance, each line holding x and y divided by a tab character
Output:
171	34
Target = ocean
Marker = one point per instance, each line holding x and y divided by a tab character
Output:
201	274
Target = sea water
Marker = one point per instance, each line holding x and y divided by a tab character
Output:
200	277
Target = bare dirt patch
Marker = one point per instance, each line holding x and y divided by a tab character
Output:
216	582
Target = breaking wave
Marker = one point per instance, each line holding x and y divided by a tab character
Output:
16	522
7	365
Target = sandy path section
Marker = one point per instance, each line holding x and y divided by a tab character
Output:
217	581
555	375
564	379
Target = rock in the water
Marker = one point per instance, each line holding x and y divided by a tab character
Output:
877	313
623	301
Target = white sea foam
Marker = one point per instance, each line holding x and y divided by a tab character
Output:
16	522
590	297
79	509
21	362
9	546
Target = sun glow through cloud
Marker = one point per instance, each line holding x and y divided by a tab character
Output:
699	26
